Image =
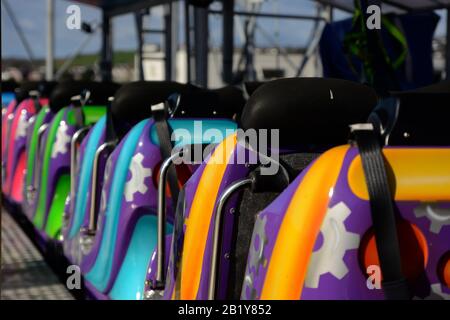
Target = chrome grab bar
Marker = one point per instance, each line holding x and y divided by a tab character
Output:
79	134
9	119
37	163
227	193
161	210
92	212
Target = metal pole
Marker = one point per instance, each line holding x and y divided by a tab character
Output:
201	45
187	36
174	20
168	41
140	42
447	43
49	67
106	51
228	40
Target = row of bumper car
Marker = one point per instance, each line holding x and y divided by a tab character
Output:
161	190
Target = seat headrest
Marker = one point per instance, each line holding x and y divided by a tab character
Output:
250	87
309	111
22	92
46	88
216	103
133	101
99	93
421	117
438	89
9	86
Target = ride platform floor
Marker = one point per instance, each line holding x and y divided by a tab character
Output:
25	274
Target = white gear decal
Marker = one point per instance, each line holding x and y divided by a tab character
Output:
255	258
138	175
62	140
439	217
336	242
22	126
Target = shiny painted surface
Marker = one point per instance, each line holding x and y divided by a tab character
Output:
344	236
200	216
98	276
85	177
137	199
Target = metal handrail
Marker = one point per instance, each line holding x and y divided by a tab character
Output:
92	212
161	211
228	192
37	163
73	160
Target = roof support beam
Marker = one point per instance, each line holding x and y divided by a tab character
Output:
106	50
201	33
228	40
447	45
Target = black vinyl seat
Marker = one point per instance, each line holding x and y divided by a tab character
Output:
416	117
309	111
133	101
23	91
100	92
9	86
311	114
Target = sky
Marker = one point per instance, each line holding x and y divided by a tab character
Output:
32	14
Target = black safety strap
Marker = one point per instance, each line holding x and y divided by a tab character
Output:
78	111
394	284
111	133
160	115
37	104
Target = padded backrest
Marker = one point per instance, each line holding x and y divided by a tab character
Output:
99	93
22	92
216	103
252	203
423	116
46	88
250	87
133	101
309	110
8	86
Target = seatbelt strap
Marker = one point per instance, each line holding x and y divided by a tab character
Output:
78	110
111	130
160	115
35	96
394	284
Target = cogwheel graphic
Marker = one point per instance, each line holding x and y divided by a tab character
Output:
62	140
22	126
336	242
138	175
439	217
256	256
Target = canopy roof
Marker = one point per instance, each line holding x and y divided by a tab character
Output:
409	5
116	7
